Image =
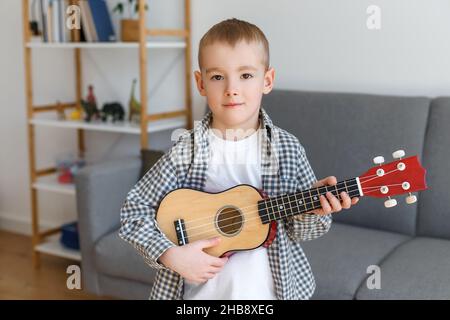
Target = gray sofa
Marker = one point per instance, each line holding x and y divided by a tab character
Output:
341	133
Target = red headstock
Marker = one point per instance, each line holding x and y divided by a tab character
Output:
398	177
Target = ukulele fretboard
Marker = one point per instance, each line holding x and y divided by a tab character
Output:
288	205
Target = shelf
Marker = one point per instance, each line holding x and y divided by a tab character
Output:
53	247
107	45
121	127
50	183
157	39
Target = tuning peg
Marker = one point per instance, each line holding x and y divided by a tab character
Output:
378	160
411	199
398	154
390	203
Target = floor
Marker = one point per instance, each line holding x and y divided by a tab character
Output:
19	280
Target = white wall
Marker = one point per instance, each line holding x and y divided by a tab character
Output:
315	45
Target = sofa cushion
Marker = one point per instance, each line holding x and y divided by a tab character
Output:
417	269
434	212
342	132
117	258
340	258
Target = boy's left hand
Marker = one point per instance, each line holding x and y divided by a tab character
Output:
330	203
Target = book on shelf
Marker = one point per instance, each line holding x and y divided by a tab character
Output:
86	20
43	21
101	20
96	24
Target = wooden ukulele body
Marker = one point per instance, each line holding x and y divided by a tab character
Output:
231	215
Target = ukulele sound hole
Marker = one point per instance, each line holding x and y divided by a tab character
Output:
229	221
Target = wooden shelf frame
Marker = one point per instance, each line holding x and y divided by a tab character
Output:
39	241
107	45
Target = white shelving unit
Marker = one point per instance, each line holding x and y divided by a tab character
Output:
50	183
45	179
53	247
120	127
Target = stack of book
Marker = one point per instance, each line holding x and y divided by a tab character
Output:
96	25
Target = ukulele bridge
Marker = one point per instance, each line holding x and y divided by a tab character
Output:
180	230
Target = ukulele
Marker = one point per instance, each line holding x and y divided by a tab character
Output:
244	218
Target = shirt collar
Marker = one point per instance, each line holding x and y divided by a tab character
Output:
202	127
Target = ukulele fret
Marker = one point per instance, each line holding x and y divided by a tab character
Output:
264	211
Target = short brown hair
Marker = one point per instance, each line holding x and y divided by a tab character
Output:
232	31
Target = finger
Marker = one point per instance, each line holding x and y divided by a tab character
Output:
218	262
335	204
355	201
325	205
208	243
331	180
346	201
210	275
198	280
214	269
202	280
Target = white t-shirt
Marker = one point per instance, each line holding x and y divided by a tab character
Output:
247	274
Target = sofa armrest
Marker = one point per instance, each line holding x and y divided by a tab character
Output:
101	191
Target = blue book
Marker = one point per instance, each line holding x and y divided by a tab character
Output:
102	20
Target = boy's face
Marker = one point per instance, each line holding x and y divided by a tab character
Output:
233	81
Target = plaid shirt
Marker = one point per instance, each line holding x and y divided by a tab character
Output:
284	169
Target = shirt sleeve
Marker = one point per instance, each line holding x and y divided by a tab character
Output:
137	215
306	227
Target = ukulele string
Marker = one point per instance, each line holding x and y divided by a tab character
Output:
345	187
273	205
251	212
326	188
247	223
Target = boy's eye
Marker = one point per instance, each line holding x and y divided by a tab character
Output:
247	76
216	77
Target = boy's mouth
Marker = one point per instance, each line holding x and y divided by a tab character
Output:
232	104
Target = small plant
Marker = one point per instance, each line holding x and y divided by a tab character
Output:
132	8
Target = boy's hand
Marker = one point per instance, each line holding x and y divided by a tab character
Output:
330	203
192	263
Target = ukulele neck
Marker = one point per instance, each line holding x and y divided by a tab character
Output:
288	205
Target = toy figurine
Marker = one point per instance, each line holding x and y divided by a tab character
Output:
134	106
91	97
91	111
60	111
68	167
114	110
76	114
90	106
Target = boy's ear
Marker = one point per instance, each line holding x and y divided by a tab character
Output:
200	84
268	80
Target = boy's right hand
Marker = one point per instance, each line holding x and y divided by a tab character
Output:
192	263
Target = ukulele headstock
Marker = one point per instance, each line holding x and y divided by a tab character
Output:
402	176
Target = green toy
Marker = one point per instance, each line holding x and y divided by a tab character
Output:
134	106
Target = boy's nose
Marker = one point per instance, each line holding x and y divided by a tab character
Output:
231	88
231	91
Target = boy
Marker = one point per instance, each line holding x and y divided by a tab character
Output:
234	74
